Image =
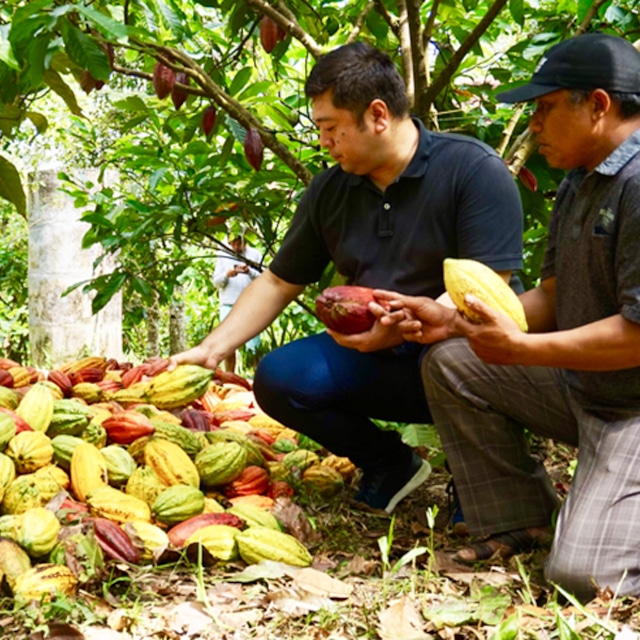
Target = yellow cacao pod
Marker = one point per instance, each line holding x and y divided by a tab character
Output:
218	539
7	472
44	581
148	538
117	506
463	277
144	483
171	463
255	516
30	450
256	544
88	470
179	387
21	494
14	561
36	530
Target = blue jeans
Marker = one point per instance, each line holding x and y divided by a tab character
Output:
329	393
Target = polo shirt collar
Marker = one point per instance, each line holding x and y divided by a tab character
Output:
620	155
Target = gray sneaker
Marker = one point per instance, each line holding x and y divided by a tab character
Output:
385	488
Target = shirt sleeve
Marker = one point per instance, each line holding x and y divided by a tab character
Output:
490	218
303	255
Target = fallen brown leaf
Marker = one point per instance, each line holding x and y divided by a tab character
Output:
401	621
321	584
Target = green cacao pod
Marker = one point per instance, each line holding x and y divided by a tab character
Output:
177	503
69	417
221	462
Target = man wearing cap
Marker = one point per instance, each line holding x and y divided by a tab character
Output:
575	377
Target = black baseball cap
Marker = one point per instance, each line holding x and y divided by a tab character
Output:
588	61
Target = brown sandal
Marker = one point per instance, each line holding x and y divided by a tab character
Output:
503	545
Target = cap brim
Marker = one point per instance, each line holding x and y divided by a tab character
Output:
526	92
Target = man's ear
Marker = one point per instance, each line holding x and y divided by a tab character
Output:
379	113
601	102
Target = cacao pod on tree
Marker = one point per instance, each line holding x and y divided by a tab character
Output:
163	80
178	96
254	148
208	120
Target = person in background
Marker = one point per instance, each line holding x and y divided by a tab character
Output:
397	201
231	277
575	377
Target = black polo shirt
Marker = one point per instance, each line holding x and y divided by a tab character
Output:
455	199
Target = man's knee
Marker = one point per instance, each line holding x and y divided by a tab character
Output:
573	577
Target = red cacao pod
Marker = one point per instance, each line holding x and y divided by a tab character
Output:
163	80
156	365
253	480
345	308
127	426
196	419
62	380
208	120
231	377
88	374
178	96
133	375
21	423
114	541
254	148
280	488
6	379
528	179
269	33
7	363
180	533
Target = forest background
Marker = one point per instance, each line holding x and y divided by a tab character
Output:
233	143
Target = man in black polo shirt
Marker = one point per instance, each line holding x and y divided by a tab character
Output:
397	202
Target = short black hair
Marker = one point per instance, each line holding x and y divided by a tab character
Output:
358	74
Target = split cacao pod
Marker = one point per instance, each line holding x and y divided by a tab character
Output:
345	309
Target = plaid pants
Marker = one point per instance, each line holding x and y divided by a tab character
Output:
481	412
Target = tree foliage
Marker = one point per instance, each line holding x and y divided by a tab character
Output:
186	177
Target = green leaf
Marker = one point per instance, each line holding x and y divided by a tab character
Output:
421	435
516	8
11	186
107	287
173	19
508	630
109	27
39	121
240	81
55	82
85	52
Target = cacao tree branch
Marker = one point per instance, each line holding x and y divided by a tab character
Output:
417	54
426	100
289	24
404	35
393	23
510	128
357	26
231	106
589	15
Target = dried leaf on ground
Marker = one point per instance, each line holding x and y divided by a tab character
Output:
401	621
294	520
321	584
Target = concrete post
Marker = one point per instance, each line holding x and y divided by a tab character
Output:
63	328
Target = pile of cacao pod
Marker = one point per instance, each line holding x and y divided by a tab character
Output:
112	461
